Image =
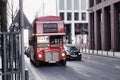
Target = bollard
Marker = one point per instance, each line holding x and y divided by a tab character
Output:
107	52
26	74
89	50
97	51
113	53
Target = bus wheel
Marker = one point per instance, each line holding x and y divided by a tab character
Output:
37	64
31	61
63	62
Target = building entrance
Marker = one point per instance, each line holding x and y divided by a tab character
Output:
68	33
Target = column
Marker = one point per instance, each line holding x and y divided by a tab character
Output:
91	30
95	28
114	22
95	2
73	32
103	29
98	30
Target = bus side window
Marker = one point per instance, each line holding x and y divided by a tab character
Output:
32	41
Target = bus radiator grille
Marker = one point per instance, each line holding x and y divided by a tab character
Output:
51	56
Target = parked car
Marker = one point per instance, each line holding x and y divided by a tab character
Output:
72	52
27	51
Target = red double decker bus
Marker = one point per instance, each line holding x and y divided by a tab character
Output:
47	41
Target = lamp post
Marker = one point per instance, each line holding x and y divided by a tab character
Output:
22	39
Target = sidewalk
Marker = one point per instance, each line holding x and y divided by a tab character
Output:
32	71
33	75
101	53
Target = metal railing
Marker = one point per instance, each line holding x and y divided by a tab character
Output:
108	53
10	56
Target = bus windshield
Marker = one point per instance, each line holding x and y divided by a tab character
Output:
44	41
56	40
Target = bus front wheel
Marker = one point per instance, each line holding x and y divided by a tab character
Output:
37	64
63	62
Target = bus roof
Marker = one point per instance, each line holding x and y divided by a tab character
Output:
48	18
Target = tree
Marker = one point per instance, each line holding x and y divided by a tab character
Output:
3	13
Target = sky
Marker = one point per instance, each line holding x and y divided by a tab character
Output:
32	8
35	7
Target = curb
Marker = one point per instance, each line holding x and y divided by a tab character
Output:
104	56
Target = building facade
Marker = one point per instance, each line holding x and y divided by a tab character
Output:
104	24
75	16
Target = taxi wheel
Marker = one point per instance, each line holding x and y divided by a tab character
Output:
80	58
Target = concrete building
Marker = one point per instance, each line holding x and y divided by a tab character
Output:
104	24
75	16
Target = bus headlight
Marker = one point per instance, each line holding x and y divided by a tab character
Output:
63	54
40	55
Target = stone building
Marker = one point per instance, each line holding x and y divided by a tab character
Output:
104	24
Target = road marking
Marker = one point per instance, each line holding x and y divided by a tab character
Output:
83	73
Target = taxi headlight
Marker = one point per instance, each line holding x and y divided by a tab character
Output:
39	55
63	54
79	53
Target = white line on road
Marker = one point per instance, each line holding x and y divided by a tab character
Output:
83	73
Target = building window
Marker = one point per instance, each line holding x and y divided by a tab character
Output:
61	4
69	4
76	16
98	1
91	2
69	16
81	28
62	15
83	14
76	4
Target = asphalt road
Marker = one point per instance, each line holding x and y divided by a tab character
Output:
93	68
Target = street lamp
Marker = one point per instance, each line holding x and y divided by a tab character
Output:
22	39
